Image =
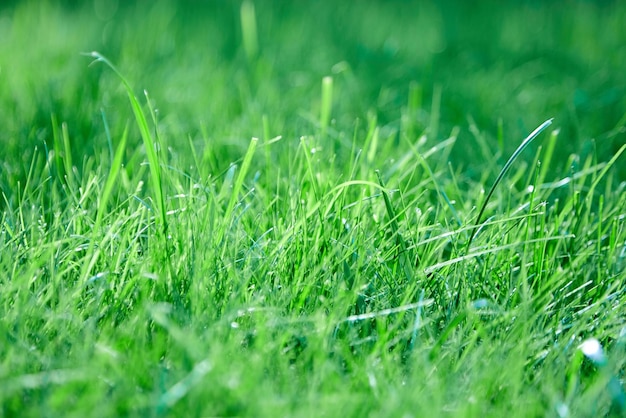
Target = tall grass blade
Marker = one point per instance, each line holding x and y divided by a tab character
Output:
249	30
237	186
149	143
547	156
440	191
433	127
504	170
56	148
606	168
67	155
107	133
393	222
116	167
327	103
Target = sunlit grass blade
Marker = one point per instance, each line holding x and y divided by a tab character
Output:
371	144
433	126
504	170
422	160
237	186
326	103
149	143
57	145
249	30
116	167
67	154
393	222
603	173
547	156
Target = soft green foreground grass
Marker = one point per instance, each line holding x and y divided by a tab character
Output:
157	259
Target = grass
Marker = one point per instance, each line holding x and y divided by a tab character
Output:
291	222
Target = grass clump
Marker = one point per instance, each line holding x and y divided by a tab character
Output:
158	259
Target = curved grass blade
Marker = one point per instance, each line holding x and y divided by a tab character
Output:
116	168
237	186
393	222
504	170
148	141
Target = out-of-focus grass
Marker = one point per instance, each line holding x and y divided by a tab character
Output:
512	63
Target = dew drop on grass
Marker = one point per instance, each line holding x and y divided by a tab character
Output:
592	349
562	410
480	303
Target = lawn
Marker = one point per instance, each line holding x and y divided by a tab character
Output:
312	208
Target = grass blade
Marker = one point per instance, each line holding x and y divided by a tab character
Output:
149	143
327	103
245	166
249	30
116	167
393	222
504	170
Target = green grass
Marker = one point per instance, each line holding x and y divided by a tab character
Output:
283	209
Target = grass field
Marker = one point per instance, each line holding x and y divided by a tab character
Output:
271	208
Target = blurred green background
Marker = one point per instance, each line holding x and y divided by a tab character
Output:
507	64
